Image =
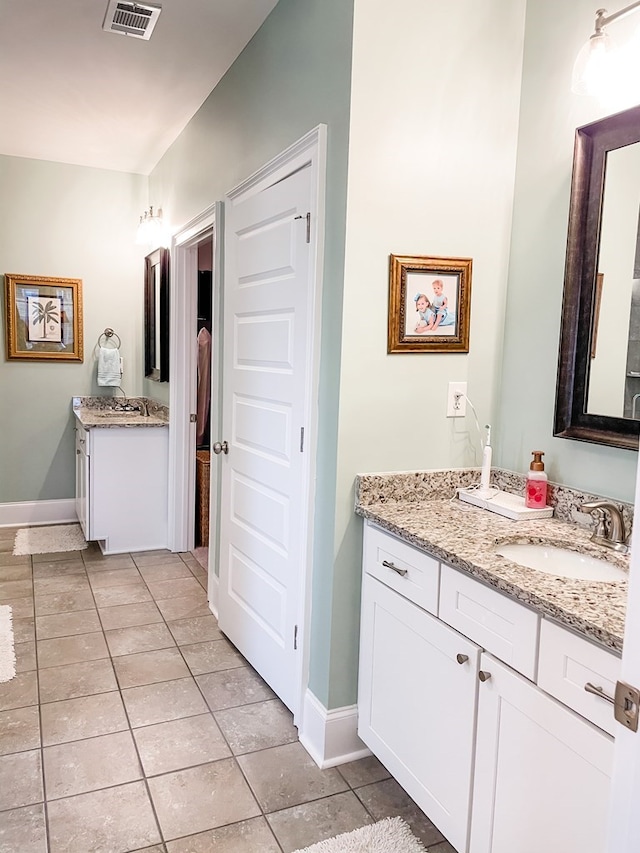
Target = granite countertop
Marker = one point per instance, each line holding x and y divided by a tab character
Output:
109	413
466	537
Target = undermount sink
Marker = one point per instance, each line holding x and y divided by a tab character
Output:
110	413
561	562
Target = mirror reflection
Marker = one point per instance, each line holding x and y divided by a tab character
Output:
156	316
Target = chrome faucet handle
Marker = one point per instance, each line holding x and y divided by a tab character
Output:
614	536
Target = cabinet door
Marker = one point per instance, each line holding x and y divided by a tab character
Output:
542	773
416	705
82	483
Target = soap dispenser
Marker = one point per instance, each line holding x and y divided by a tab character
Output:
535	496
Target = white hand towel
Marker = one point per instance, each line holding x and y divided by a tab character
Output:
109	366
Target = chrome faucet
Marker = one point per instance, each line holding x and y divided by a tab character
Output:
611	535
144	407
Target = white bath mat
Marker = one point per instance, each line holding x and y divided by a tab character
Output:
7	651
49	540
391	835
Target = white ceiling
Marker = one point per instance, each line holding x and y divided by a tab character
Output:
73	93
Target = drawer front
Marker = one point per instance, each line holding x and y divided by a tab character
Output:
567	663
412	573
502	626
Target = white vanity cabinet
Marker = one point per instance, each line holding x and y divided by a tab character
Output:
448	701
121	487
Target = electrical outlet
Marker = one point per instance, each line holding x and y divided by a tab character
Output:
457	400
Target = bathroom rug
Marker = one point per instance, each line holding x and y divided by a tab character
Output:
391	835
49	540
7	650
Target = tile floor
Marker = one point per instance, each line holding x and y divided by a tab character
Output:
133	724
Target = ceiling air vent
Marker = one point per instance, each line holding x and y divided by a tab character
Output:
131	19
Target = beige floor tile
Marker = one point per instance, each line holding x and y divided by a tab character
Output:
64	602
158	703
445	847
23	830
64	650
155	558
388	799
309	823
63	583
16	573
25	656
77	679
24	629
58	568
257	726
15	589
139	638
19	730
286	776
176	588
186	607
201	798
88	716
128	615
362	772
20	780
21	608
150	667
212	656
233	687
111	821
67	624
9	559
56	556
113	577
247	836
179	744
198	630
88	765
96	561
19	692
164	571
111	596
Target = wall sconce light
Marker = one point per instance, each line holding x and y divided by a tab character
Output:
151	230
600	66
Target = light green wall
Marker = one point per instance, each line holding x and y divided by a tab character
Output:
70	222
293	75
549	115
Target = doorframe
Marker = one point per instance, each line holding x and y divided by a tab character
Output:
308	151
183	310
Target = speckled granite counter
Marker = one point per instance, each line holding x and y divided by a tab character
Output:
109	413
466	537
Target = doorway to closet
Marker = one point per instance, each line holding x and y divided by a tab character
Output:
204	349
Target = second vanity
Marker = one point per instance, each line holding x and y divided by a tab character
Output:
121	473
473	672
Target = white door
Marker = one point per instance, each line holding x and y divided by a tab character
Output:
624	818
266	371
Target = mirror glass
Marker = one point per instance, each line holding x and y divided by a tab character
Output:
156	315
598	389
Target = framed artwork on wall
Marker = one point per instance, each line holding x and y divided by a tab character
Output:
43	318
429	304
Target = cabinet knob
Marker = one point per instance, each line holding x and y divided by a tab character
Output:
462	658
484	676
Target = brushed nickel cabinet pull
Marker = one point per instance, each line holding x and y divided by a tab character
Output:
598	691
462	658
484	676
389	565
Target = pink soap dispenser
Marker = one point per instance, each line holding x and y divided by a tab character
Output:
535	493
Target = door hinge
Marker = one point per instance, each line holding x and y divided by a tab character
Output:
295	637
626	704
301	439
306	216
193	419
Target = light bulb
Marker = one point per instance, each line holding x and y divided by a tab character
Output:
594	67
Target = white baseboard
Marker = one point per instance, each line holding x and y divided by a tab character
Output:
213	585
330	737
38	512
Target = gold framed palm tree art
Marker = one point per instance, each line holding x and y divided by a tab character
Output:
43	318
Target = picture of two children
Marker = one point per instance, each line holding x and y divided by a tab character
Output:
435	311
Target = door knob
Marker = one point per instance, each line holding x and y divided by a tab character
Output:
221	447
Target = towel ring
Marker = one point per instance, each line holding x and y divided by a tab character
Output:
109	334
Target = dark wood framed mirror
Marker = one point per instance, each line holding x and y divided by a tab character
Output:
156	315
598	388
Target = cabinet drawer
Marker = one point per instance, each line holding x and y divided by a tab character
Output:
499	624
414	575
567	663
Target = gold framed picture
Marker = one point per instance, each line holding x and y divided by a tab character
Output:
429	304
43	318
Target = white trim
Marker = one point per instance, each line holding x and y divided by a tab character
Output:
330	737
213	585
38	512
311	151
183	366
